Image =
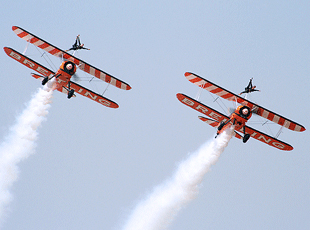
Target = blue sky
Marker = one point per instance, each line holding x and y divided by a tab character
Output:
93	164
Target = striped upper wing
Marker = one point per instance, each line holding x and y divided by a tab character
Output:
221	92
60	53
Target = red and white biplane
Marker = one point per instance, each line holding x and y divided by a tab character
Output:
66	70
239	117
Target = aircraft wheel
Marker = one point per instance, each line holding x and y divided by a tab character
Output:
45	80
70	93
246	138
221	126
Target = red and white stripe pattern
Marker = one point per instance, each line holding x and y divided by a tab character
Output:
221	92
37	41
60	53
207	85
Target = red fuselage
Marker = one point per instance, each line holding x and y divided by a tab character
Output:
65	72
238	118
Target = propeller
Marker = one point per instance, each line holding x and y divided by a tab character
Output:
76	77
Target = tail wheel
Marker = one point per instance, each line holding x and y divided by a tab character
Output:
246	138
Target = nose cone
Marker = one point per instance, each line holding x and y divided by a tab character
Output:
69	66
245	111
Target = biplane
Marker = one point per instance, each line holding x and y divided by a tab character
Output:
66	70
239	117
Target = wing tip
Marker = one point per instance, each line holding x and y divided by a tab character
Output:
6	49
180	96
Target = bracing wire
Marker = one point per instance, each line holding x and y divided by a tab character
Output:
49	61
198	94
216	100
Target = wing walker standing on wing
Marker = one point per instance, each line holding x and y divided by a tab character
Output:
250	88
77	45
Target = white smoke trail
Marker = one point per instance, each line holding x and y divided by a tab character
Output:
20	143
162	205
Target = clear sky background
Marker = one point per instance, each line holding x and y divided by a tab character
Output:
93	164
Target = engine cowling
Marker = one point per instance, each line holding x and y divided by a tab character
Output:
244	111
68	67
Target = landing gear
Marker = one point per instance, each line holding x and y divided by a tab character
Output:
246	138
45	80
221	126
70	93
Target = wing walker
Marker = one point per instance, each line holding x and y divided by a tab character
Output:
66	70
239	117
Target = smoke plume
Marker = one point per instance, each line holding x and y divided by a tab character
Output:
163	204
20	143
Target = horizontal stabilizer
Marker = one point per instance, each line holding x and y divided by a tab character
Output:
37	76
209	121
215	123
